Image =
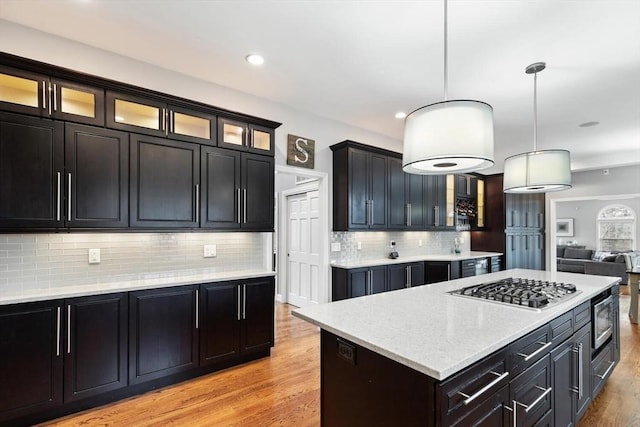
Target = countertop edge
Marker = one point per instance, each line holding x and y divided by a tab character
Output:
416	258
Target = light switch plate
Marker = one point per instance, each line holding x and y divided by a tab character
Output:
359	245
94	256
210	251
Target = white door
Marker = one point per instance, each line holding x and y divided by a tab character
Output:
303	248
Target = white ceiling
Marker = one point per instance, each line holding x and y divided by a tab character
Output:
361	61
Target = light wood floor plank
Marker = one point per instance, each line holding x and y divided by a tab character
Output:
284	390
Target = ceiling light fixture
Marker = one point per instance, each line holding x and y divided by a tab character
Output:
401	115
537	171
255	59
448	136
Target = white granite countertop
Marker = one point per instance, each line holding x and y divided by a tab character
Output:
152	280
401	259
439	334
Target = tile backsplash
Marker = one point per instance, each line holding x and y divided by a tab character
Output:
41	261
377	244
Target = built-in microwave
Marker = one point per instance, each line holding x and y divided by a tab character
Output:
602	319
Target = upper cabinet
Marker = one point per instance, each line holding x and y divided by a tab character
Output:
44	96
406	196
244	136
151	117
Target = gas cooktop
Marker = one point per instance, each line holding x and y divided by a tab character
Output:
525	293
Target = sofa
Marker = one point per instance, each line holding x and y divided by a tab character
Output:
573	259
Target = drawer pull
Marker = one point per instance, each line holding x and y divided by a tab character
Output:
529	407
469	399
528	357
603	376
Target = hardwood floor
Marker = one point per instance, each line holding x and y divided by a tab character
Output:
284	390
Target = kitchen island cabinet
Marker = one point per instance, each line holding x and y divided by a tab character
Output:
473	360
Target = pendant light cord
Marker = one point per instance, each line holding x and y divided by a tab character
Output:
446	55
535	111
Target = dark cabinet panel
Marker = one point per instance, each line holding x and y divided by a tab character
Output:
77	103
95	354
531	393
358	190
405	197
436	209
244	136
97	177
257	192
30	358
162	333
165	179
357	282
221	188
31	168
220	312
401	276
257	314
440	271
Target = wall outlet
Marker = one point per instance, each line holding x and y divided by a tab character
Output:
359	245
393	243
94	256
210	251
335	247
420	243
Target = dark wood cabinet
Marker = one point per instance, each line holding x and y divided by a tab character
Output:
164	183
96	177
357	282
441	271
95	352
45	96
163	335
237	190
438	191
524	250
531	393
30	358
244	136
400	276
257	314
359	187
31	172
405	197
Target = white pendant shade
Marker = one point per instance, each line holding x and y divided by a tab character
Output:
537	172
448	137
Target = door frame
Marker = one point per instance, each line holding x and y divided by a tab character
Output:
321	184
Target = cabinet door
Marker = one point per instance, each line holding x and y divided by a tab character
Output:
220	312
257	192
438	271
358	282
221	193
97	177
191	126
24	92
95	354
378	279
563	369
397	276
378	191
490	413
398	208
358	189
30	358
243	136
531	393
77	103
436	201
582	340
31	167
416	274
415	197
134	114
162	333
261	140
257	314
165	180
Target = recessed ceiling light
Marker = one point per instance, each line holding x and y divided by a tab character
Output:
255	59
588	124
401	115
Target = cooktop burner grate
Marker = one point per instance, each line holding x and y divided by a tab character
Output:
526	293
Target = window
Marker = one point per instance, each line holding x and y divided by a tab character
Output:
616	228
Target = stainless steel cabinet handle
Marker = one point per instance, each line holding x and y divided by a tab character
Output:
244	301
58	334
578	352
197	202
69	198
68	328
533	404
409	216
44	95
368	213
371	207
407	276
469	399
58	200
528	357
436	216
49	98
449	272
468	185
245	204
603	376
164	120
197	308
172	119
239	216
238	303
55	97
526	219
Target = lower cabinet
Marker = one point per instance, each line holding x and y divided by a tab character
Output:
400	276
441	271
162	332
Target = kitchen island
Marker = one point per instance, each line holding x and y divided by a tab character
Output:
421	356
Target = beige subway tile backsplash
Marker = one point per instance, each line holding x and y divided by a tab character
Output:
38	261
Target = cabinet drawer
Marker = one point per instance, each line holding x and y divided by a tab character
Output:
468	263
561	328
458	396
531	393
601	368
581	315
528	349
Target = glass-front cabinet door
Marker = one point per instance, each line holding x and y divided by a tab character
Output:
192	126
37	94
135	114
245	136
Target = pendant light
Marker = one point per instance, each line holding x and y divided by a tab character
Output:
448	136
537	171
